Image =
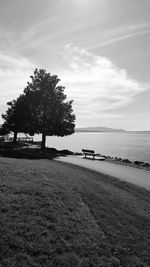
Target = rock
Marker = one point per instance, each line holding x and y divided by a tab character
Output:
126	161
146	164
138	162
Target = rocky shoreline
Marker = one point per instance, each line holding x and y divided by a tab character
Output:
127	162
124	161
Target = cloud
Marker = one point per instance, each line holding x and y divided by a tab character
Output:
121	38
118	34
14	74
97	86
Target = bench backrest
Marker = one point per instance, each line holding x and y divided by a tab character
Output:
88	151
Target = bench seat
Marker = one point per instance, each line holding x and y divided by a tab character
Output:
87	152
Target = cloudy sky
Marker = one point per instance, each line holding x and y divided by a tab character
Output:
100	49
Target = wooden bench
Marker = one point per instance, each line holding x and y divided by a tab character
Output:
87	152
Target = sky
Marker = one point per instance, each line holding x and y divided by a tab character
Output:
100	50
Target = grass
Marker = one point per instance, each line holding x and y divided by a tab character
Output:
56	214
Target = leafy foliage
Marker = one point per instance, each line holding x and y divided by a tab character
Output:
17	117
51	114
42	108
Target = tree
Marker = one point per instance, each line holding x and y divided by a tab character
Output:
50	112
17	117
3	130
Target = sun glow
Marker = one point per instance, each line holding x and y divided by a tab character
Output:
84	3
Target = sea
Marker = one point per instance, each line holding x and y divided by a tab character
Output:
129	145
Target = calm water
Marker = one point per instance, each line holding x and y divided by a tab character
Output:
134	146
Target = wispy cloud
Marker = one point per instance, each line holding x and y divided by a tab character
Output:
119	34
119	38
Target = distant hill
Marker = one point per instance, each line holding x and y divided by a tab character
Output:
98	129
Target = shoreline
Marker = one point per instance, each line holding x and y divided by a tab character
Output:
32	150
122	161
142	166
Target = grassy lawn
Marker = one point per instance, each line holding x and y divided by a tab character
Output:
56	214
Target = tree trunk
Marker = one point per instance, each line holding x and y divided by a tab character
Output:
43	141
15	137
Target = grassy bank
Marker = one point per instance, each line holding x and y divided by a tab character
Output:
55	214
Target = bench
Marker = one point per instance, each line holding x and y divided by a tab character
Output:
87	152
20	139
25	139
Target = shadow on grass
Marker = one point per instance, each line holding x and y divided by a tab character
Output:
30	151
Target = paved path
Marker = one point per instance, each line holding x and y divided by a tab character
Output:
132	175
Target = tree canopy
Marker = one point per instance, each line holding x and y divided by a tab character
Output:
41	109
17	117
50	112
